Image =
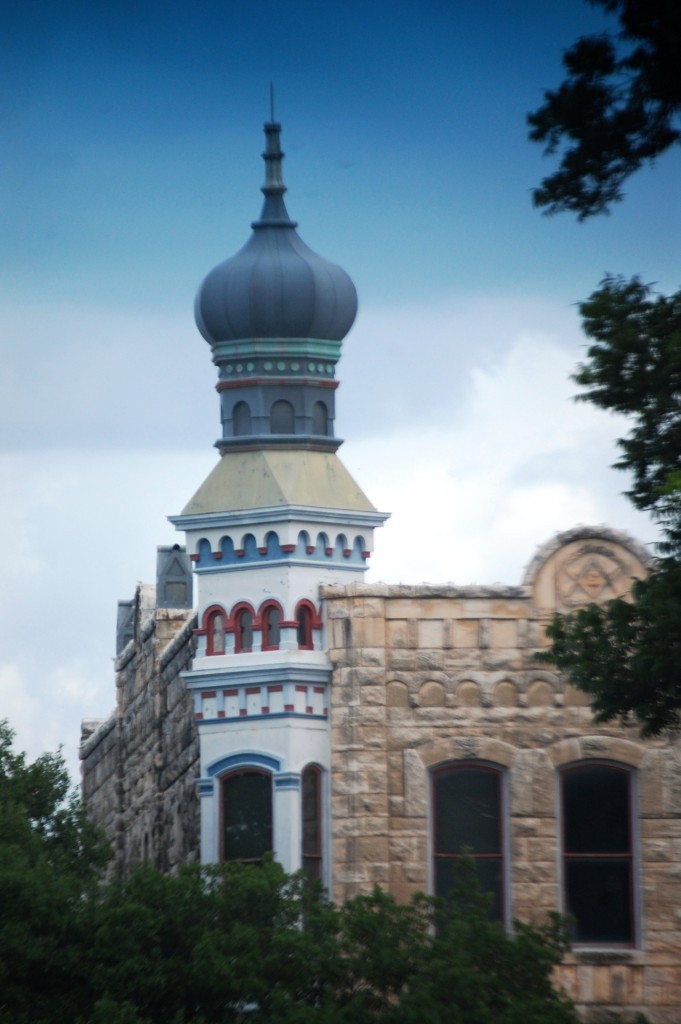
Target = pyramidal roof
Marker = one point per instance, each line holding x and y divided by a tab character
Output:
273	478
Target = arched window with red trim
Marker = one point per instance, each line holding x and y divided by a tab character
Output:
246	815
270	620
243	629
311	800
215	631
305	620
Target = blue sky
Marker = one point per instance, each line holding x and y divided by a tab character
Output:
133	135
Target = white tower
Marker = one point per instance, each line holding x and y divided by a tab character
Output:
278	516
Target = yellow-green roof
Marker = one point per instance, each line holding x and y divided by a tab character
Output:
267	478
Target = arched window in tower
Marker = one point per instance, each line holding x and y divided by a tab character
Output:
281	418
311	797
243	631
241	419
217	634
320	419
467	820
270	616
304	615
214	622
246	815
598	869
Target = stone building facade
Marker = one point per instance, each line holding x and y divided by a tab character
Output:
139	766
367	733
430	679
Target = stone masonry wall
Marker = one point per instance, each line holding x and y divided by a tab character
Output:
139	767
427	675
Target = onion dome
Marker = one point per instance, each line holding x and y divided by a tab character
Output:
275	286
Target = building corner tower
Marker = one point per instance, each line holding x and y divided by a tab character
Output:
277	517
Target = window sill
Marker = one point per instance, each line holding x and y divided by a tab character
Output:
607	955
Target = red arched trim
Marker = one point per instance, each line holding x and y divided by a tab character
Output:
316	617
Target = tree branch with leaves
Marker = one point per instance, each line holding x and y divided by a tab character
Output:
627	655
618	108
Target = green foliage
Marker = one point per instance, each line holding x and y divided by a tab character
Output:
237	944
634	368
382	945
50	859
617	109
475	972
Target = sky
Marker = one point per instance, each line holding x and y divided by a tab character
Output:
132	138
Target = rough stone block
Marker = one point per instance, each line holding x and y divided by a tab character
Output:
503	633
466	633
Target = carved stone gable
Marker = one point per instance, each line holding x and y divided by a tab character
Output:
582	566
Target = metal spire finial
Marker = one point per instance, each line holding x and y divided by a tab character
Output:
274	210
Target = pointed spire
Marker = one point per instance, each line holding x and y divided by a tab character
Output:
274	212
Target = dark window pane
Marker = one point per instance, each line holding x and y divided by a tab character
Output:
312	839
272	622
304	634
320	419
598	865
467	816
596	810
599	898
467	811
489	871
242	419
246	816
244	632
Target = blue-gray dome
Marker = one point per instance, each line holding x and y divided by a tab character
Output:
275	286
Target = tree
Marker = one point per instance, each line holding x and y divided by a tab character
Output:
618	108
51	857
634	368
628	655
210	945
237	943
475	972
244	943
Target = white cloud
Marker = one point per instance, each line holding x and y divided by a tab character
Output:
471	501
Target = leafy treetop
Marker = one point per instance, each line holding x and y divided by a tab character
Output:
236	943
